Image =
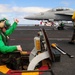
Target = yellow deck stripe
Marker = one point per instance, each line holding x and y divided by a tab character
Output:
4	69
30	73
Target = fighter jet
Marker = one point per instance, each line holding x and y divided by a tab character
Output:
58	14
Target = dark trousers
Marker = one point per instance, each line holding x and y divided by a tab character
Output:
73	37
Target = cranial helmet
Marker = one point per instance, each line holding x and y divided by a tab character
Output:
5	22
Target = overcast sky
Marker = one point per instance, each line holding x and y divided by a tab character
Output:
20	8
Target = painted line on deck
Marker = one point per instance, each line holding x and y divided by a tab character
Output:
48	39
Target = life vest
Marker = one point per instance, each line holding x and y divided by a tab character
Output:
4	38
73	17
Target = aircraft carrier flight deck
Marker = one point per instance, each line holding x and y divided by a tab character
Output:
25	37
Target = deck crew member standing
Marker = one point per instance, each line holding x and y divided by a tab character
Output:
73	36
4	33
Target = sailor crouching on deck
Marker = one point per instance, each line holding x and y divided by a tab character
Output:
5	31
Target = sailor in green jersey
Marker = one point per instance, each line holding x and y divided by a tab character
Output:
5	31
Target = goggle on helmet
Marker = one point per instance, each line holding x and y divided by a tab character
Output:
7	23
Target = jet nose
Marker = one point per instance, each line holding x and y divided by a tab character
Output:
30	17
26	17
38	16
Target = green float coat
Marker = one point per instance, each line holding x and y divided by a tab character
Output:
4	48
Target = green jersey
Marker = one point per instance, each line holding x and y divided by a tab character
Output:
4	48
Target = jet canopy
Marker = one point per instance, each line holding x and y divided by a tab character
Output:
61	9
